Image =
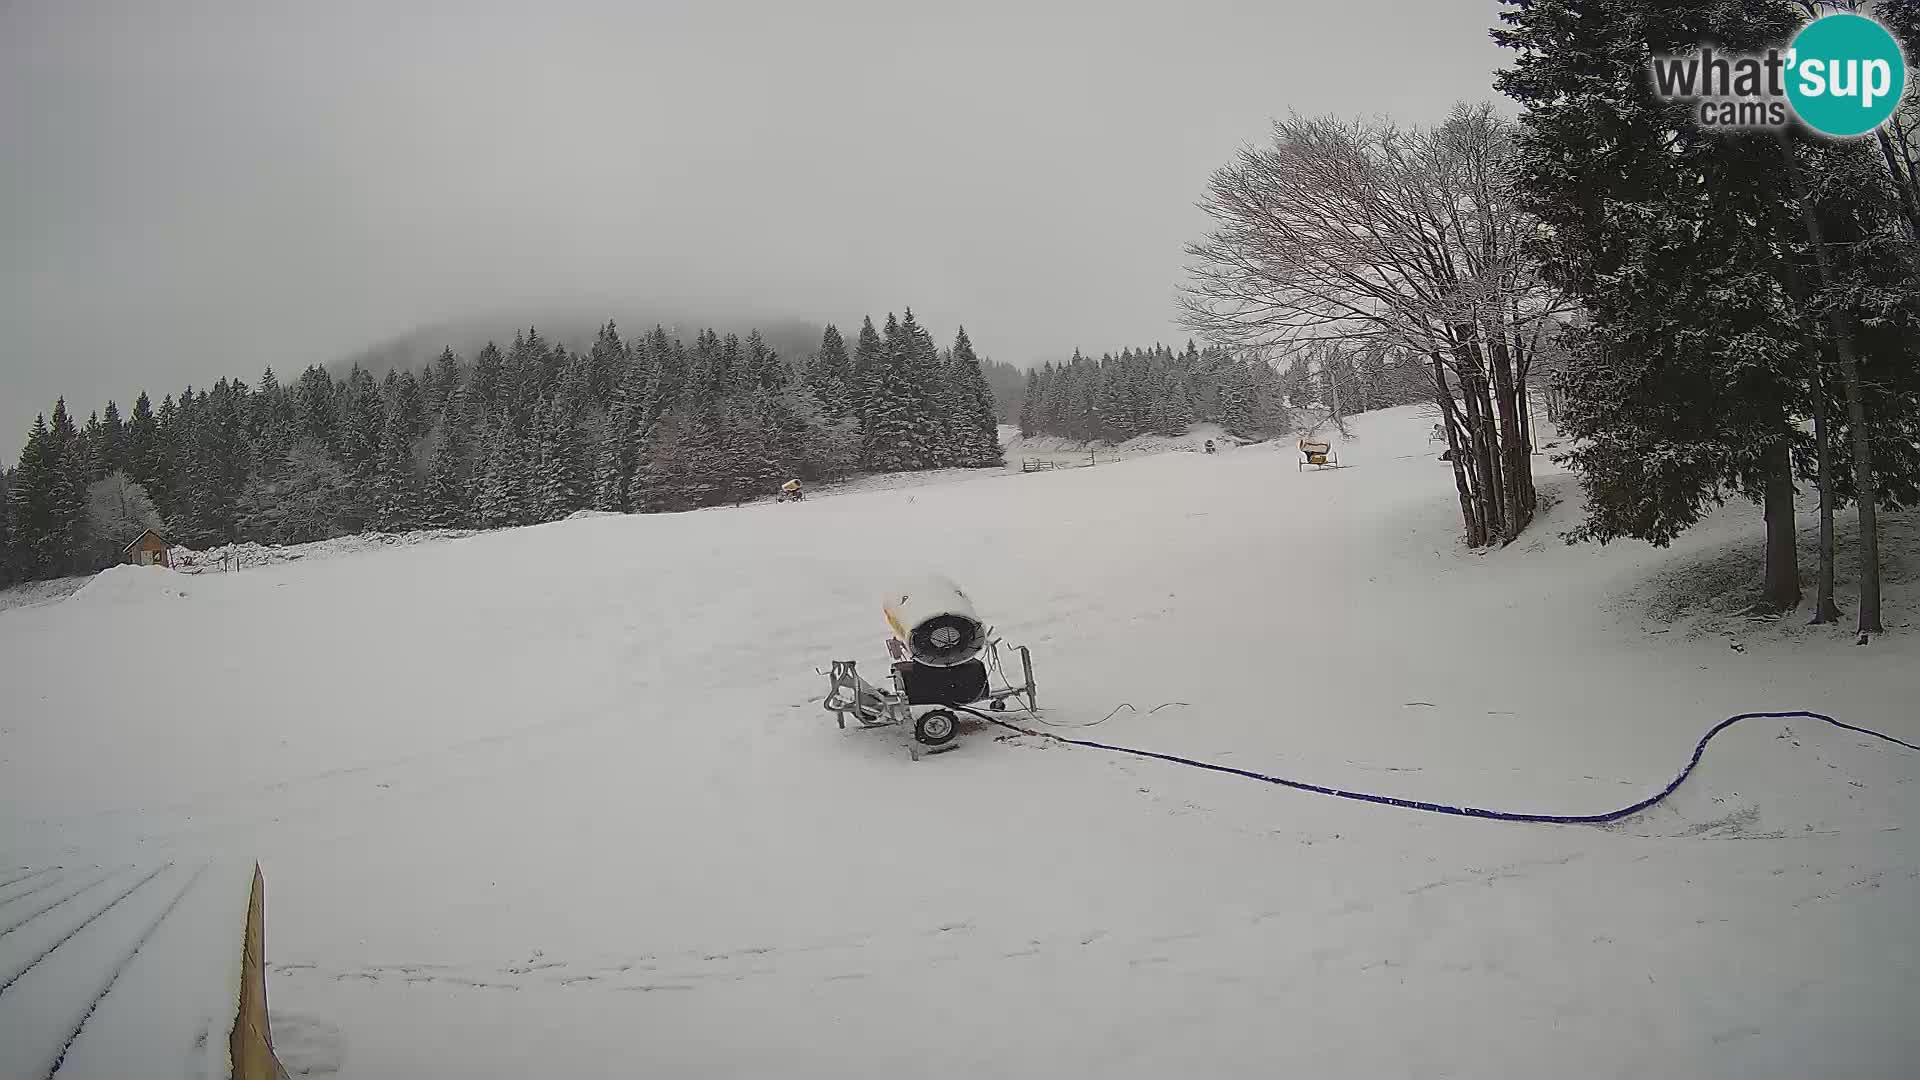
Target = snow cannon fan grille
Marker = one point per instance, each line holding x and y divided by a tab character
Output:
947	640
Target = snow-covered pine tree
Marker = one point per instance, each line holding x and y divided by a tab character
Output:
975	415
560	480
829	374
270	422
89	448
485	388
869	354
497	497
1030	403
766	371
924	380
1685	382
607	363
406	407
1237	398
891	440
397	498
730	373
362	417
33	497
445	501
445	383
315	412
72	473
9	549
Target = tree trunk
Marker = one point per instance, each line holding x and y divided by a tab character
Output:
1493	466
1456	455
1824	608
1480	458
1866	491
1517	471
1782	585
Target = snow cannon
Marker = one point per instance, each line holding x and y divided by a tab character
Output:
945	659
935	624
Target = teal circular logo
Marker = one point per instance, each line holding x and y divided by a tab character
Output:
1847	75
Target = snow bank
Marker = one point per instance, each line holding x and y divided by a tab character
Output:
249	554
1192	440
124	585
35	593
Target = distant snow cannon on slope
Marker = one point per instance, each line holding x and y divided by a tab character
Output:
944	656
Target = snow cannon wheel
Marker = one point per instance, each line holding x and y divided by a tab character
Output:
936	728
998	705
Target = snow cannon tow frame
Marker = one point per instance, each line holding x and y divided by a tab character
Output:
923	697
1317	453
945	658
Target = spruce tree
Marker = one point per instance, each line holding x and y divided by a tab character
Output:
445	383
362	419
869	354
607	362
92	449
1684	386
890	436
560	482
974	416
829	374
497	498
33	494
923	379
483	397
72	473
315	412
446	497
1237	399
9	551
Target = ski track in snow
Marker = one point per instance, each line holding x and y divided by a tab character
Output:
562	800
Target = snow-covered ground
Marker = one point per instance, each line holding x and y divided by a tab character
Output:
1063	451
561	801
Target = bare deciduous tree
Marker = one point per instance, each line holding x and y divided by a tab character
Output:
1406	240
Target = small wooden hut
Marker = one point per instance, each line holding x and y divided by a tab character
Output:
147	549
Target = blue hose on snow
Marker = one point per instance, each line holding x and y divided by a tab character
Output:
1459	811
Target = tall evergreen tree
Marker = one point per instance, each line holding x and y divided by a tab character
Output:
829	373
498	499
560	481
9	549
974	416
1030	403
890	435
35	504
484	389
869	354
1682	390
608	362
362	418
315	413
445	383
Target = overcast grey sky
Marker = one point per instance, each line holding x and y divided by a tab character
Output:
198	189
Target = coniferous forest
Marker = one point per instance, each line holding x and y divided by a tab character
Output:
1159	391
518	435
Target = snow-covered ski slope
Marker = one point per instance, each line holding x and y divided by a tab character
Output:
561	801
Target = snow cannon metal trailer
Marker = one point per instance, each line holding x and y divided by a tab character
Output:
944	657
1318	454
